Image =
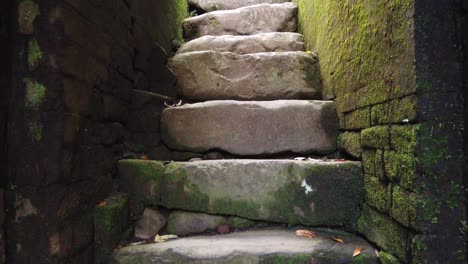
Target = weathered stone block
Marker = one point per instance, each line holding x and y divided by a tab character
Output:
357	119
403	138
377	193
187	223
395	111
252	128
403	206
141	180
263	42
400	168
213	5
111	218
350	142
243	21
368	161
376	137
149	224
385	232
211	75
310	193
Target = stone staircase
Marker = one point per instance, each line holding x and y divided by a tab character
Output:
255	95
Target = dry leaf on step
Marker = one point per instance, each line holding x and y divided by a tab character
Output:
358	251
337	239
306	233
161	239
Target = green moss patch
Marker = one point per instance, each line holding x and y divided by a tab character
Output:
376	137
350	143
385	232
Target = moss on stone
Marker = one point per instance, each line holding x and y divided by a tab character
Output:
142	181
385	232
400	169
376	137
386	258
110	221
35	55
402	208
377	193
35	94
179	193
403	138
107	216
368	161
240	223
384	66
357	119
350	142
395	111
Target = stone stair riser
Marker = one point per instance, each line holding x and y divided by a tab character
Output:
243	21
210	75
252	128
295	192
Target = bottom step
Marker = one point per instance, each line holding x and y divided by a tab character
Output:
257	246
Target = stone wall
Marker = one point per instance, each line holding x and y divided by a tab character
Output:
393	69
464	35
77	66
5	83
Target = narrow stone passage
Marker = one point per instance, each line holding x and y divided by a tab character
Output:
254	92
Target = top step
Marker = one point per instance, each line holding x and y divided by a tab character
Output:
213	5
248	20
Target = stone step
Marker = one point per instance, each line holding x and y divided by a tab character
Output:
263	42
252	127
256	246
243	21
310	193
213	5
212	75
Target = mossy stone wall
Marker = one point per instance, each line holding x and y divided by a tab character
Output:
393	68
76	66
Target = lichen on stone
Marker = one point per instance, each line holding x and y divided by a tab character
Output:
35	55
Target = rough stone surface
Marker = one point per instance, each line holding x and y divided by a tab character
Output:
111	218
150	223
213	5
140	179
287	191
187	223
264	42
211	75
261	246
252	128
243	21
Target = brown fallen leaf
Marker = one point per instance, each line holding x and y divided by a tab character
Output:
357	251
102	203
306	233
337	239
